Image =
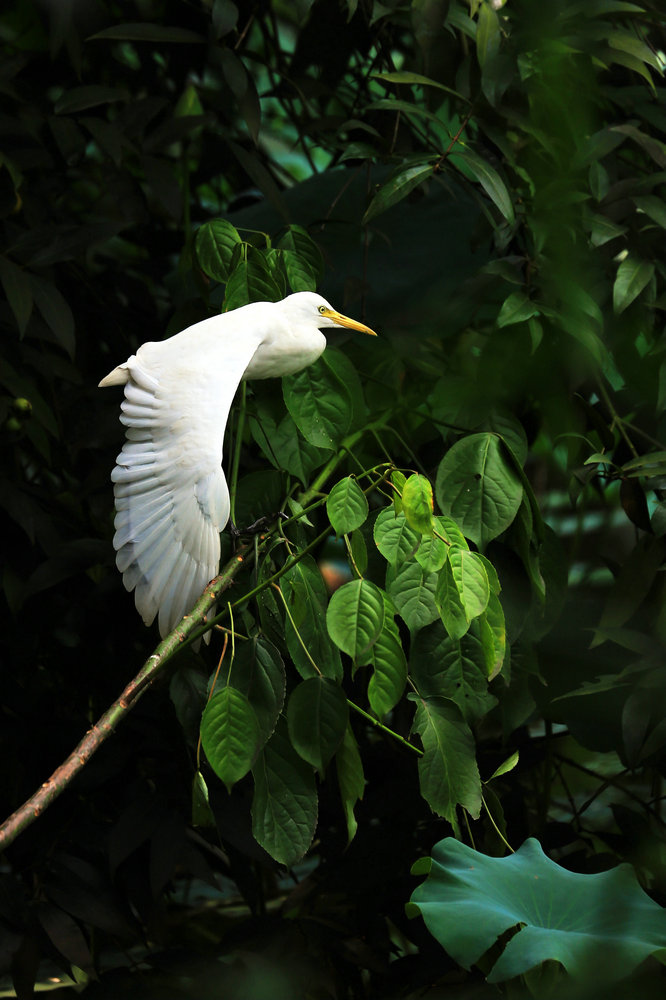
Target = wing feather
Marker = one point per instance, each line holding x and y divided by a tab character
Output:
171	496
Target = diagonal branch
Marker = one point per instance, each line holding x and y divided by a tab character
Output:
26	814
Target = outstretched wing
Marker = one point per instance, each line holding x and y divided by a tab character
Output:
171	496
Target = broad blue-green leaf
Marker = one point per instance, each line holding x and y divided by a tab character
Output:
230	734
397	187
284	806
417	504
319	403
477	486
317	717
355	617
448	773
389	674
599	927
258	671
394	537
413	594
468	163
346	506
455	669
350	779
305	592
471	581
214	246
633	274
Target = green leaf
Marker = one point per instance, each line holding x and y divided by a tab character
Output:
397	187
230	735
447	598
350	779
137	32
346	506
487	34
284	806
471	580
417	504
91	96
214	246
494	619
599	927
653	207
305	592
319	403
201	811
454	669
478	488
17	288
284	447
633	274
317	717
55	311
516	309
303	259
355	617
470	163
432	553
507	766
422	81
389	674
258	672
448	773
250	281
394	538
413	594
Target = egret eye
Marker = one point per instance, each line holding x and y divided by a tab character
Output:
322	309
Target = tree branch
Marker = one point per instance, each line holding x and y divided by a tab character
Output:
26	814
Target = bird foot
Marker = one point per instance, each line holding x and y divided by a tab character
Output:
257	526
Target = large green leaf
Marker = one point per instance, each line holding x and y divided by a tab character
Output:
355	617
214	246
394	537
319	402
317	717
230	734
305	592
452	668
417	504
250	280
471	580
599	927
477	486
346	506
284	806
302	258
258	671
632	276
448	773
389	674
413	594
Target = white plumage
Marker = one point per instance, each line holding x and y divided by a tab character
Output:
172	499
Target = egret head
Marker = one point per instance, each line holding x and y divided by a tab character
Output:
309	307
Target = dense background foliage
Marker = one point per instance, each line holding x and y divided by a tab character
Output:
485	185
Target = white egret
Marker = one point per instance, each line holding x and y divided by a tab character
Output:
172	500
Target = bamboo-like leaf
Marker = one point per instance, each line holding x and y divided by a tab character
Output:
470	163
633	274
397	187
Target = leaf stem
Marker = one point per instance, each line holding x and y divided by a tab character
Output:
385	729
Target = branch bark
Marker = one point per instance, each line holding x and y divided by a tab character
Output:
26	814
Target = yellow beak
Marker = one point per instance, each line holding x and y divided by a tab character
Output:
351	324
